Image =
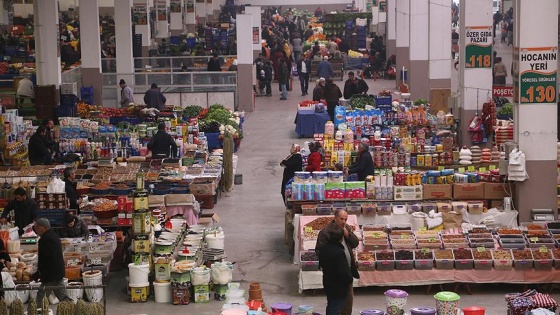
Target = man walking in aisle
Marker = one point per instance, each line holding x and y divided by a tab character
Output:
303	68
127	96
325	69
349	242
283	77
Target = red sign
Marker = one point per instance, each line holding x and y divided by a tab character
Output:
502	91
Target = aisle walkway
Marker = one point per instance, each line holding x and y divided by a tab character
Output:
253	219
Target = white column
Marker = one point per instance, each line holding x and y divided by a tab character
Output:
47	51
440	43
391	27
162	24
190	16
123	40
245	74
475	51
535	101
142	21
374	19
90	45
200	9
402	36
210	9
176	17
4	19
419	44
255	13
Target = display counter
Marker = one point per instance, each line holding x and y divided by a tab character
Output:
308	122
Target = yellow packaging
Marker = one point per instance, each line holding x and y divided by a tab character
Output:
417	179
141	244
420	161
408	179
348	146
440	180
439	147
162	269
141	203
334	157
141	223
138	294
346	158
173	122
427	160
450	179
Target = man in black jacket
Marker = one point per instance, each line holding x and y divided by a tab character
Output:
25	210
51	262
335	260
70	188
37	149
304	69
153	98
349	242
162	143
364	163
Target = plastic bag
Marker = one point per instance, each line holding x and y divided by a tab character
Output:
8	282
56	186
339	115
221	273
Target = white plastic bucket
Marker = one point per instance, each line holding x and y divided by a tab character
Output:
200	276
33	293
162	291
75	291
91	278
138	274
215	240
23	292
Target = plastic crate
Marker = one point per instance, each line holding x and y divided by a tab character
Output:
524	264
385	265
324	209
102	247
353	208
100	257
366	265
338	206
308	265
82	248
369	209
543	264
309	209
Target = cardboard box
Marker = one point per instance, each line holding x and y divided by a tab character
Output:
475	207
497	191
405	193
468	191
209	219
208	188
437	191
201	293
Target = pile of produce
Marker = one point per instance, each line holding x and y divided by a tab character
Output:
222	118
193	111
361	100
506	110
305	104
354	54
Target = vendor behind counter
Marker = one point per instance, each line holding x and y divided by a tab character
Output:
25	210
162	144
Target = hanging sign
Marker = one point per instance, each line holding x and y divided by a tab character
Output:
140	14
537	75
190	6
161	10
502	91
478	47
382	6
175	6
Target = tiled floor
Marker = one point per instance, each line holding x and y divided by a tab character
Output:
253	219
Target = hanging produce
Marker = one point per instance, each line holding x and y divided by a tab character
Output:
32	307
16	308
66	308
228	161
3	307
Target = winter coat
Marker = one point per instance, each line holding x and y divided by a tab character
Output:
51	261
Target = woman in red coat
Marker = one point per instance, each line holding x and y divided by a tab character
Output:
314	159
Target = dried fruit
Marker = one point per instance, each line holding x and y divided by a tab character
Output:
462	253
385	255
501	254
522	254
423	254
443	254
309	256
404	255
481	255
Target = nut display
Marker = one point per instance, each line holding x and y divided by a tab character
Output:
423	254
539	254
366	256
319	223
556	253
481	255
533	226
509	231
404	255
501	254
462	253
452	236
373	228
443	254
384	255
478	230
522	254
309	256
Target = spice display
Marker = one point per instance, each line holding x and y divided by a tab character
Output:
500	254
452	236
32	307
509	231
423	254
556	253
373	228
319	223
366	256
122	186
385	255
309	256
102	186
482	254
541	254
522	254
533	226
374	234
65	308
462	253
404	255
532	233
478	231
480	235
16	308
3	307
443	254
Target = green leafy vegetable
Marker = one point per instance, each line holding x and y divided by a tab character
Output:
192	111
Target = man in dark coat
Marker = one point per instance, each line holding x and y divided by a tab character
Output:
283	78
364	163
291	164
37	149
334	260
153	98
70	188
350	242
51	262
214	63
332	95
25	210
162	143
75	227
304	69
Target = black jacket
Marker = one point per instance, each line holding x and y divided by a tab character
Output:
332	93
350	88
51	261
25	212
37	150
307	66
160	144
214	65
80	229
154	99
71	194
336	272
283	74
351	242
291	164
318	93
363	166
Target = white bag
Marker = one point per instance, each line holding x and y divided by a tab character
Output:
56	186
221	273
9	296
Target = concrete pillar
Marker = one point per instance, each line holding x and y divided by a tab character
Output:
142	24
440	44
190	17
4	18
535	102
255	12
419	65
210	10
374	19
123	40
200	9
47	50
245	74
90	44
402	36
475	51
176	17
162	25
391	27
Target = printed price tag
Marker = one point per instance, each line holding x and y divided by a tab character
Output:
95	261
441	168
492	167
543	249
481	249
92	248
461	170
534	239
470	168
482	170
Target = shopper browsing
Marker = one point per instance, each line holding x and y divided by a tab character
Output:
74	227
325	69
348	241
51	262
291	164
319	90
37	149
5	259
315	159
25	210
153	98
364	163
332	96
127	96
162	144
303	69
25	90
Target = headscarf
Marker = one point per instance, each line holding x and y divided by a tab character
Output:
295	148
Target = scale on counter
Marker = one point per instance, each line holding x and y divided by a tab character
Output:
28	243
103	161
542	214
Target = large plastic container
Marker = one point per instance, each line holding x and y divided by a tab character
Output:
474	310
162	292
447	303
422	311
395	301
138	274
282	307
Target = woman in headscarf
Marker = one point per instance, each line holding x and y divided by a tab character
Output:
291	164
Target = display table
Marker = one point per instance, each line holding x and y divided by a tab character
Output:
187	212
314	279
308	122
